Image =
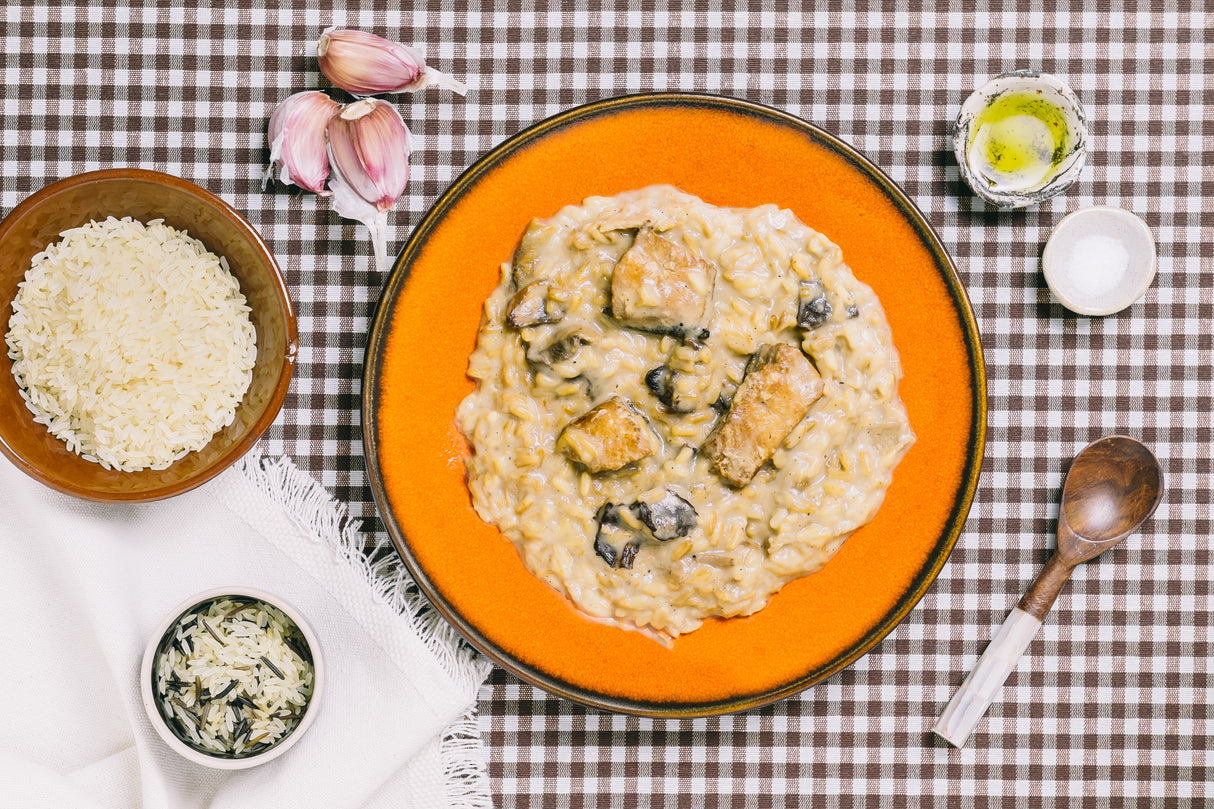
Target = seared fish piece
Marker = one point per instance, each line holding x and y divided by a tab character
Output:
779	386
661	286
608	436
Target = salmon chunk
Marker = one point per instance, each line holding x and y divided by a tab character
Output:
779	386
661	286
608	436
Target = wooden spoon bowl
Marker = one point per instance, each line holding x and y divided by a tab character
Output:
1113	486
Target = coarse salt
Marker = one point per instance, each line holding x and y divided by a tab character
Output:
1096	266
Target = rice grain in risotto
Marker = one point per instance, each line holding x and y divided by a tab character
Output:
679	407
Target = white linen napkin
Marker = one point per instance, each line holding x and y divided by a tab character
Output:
83	586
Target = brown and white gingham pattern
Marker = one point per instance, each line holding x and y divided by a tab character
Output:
1111	705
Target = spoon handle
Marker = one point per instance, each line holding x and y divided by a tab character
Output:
978	691
1044	590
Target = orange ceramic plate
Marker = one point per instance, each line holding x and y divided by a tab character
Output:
729	153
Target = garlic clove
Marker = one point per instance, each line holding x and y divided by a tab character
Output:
368	146
365	64
297	141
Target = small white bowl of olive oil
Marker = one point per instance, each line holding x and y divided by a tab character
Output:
1020	139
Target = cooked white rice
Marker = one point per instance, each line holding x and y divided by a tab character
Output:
131	343
231	678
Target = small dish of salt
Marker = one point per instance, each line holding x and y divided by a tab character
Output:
1099	260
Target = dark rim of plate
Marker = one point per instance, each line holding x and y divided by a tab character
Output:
399	278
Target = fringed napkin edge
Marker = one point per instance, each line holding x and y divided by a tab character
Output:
378	563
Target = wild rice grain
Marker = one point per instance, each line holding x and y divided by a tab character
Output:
247	691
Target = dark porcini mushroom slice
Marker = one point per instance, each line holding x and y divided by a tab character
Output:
814	308
660	382
607	520
669	517
560	348
687	382
533	306
628	554
682	331
616	543
525	266
663	383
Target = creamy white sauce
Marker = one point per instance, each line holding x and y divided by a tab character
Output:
827	478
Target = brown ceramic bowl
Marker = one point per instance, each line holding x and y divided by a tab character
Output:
146	195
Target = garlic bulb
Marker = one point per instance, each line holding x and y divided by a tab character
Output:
297	141
369	154
365	64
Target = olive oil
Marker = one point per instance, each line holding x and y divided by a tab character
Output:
1018	141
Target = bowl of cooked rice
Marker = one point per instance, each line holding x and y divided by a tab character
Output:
232	678
149	337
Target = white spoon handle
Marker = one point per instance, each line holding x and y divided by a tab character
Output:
978	691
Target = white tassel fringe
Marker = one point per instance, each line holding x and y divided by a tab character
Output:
311	505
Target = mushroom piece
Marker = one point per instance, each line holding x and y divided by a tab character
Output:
668	517
660	382
533	306
559	349
528	255
608	436
661	286
775	394
609	535
814	308
687	382
621	529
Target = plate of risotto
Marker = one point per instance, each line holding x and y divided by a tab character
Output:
674	405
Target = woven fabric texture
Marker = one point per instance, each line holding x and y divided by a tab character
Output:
1110	707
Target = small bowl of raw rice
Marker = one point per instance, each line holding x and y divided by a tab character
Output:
149	337
232	678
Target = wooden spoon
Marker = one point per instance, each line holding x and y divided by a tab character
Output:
1113	486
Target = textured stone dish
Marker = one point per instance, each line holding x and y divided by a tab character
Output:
1069	165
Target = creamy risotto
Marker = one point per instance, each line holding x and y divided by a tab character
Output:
679	407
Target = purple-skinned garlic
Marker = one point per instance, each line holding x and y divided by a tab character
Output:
297	141
369	156
365	64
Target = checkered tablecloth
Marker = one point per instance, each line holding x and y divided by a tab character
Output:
1111	707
